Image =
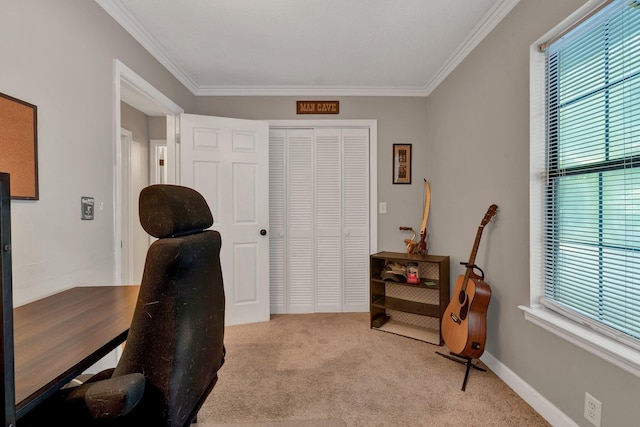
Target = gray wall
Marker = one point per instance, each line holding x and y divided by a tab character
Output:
478	138
135	121
158	127
59	55
470	139
400	120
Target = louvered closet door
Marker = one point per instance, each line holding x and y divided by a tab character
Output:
328	215
291	221
300	228
355	196
277	220
319	220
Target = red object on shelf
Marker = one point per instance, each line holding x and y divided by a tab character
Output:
412	273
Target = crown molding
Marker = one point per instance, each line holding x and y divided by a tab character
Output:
119	13
309	91
488	22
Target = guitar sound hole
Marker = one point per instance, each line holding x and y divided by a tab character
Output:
462	297
464	304
463	311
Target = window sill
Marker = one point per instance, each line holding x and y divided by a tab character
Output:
586	338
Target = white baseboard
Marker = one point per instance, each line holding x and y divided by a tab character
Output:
546	409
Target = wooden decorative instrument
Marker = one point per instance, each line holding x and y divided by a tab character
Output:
420	247
422	244
464	323
412	245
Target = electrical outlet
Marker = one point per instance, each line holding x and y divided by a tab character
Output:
592	409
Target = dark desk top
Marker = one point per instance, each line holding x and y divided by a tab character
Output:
58	337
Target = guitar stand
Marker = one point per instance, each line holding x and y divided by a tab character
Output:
463	360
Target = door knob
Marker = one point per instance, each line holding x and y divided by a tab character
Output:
263	232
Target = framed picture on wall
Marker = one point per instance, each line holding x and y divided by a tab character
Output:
402	163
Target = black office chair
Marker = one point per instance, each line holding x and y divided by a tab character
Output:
175	345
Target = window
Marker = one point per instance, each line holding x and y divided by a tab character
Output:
586	201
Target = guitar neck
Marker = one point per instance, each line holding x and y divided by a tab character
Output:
472	257
476	245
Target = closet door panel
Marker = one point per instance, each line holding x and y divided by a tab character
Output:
277	220
355	196
328	292
328	216
300	221
301	274
356	293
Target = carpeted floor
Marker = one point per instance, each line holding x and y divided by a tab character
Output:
295	423
313	370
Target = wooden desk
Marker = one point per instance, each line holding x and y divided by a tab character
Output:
58	337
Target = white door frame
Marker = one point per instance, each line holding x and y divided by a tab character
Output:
373	161
144	95
126	242
154	162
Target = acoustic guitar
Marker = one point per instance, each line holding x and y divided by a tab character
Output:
464	323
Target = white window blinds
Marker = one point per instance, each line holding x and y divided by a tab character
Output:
592	197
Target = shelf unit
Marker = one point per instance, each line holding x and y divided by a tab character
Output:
411	310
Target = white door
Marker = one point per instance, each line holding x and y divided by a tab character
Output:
227	161
320	217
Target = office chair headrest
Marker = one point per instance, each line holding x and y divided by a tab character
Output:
173	210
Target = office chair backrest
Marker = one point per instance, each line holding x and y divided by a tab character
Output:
177	331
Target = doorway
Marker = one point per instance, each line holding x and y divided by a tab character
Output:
136	92
133	90
137	173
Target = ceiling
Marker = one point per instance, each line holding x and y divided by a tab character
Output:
309	47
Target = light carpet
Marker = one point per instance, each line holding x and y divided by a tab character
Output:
317	370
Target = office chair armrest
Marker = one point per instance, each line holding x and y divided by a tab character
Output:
102	375
89	378
109	398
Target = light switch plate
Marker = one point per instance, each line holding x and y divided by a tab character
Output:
87	207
